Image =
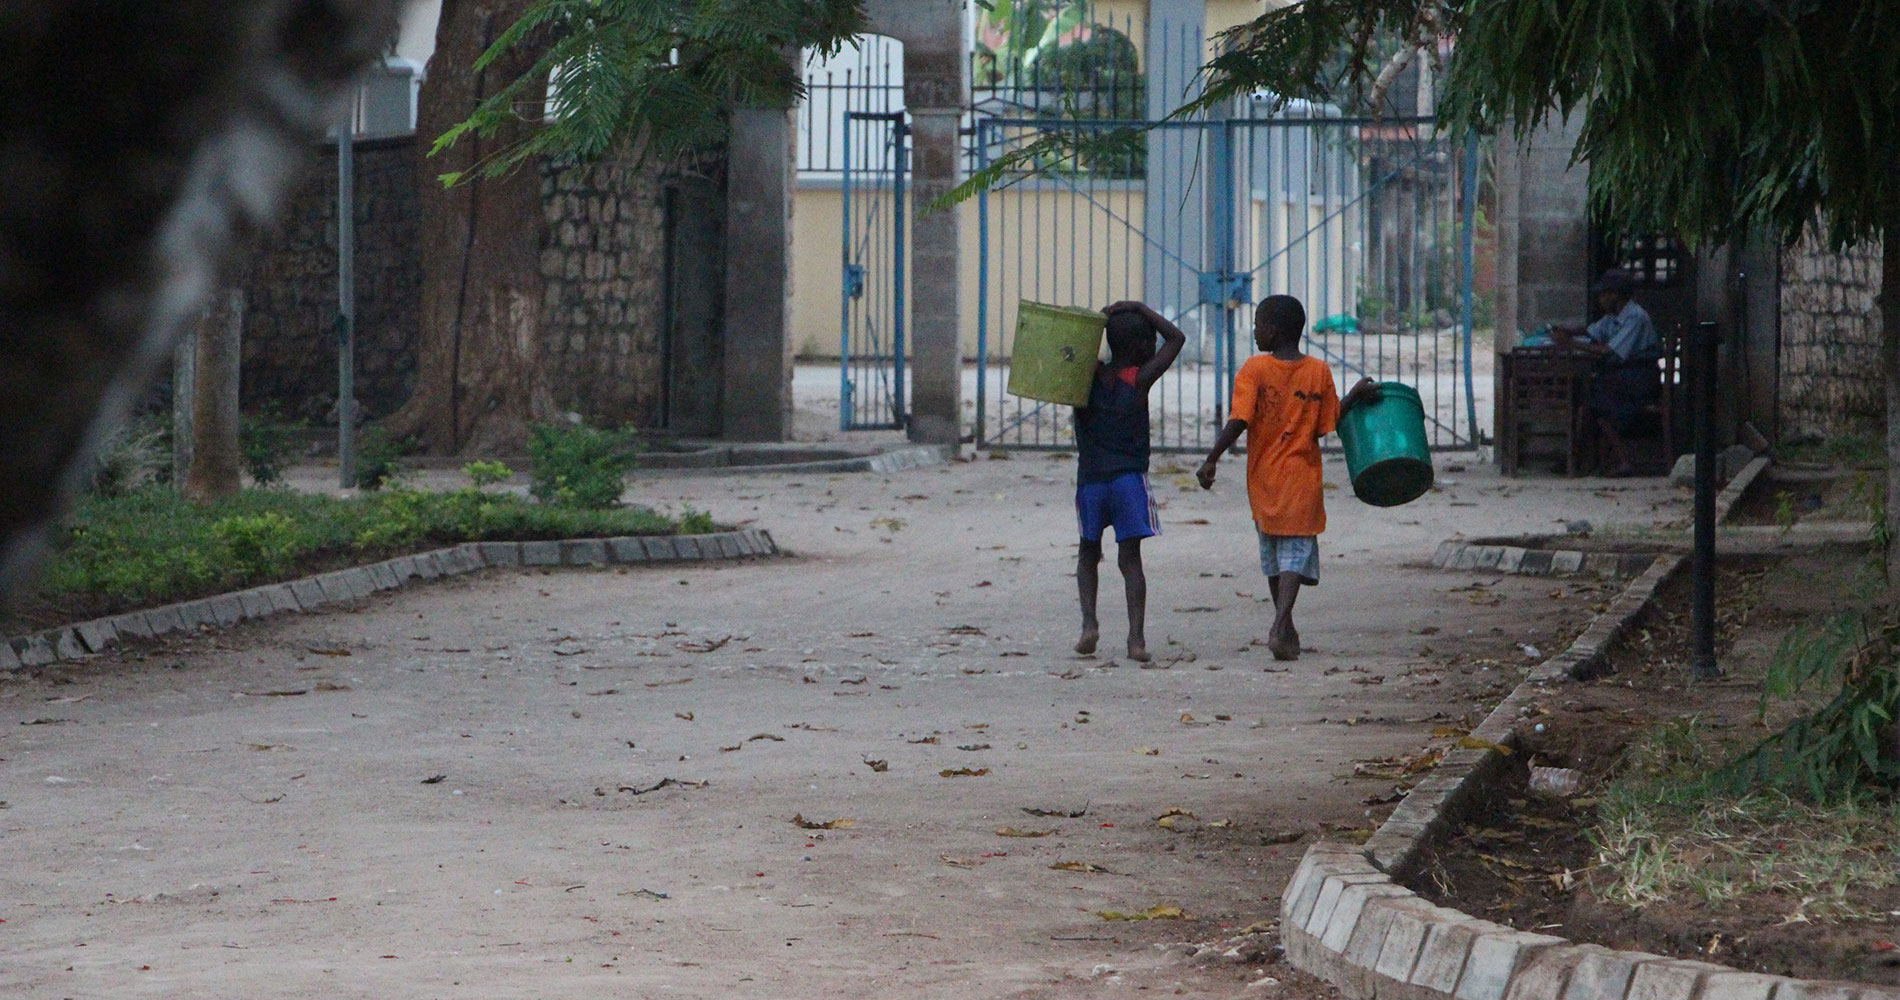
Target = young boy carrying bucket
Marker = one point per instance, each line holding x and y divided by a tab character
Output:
1285	402
1111	475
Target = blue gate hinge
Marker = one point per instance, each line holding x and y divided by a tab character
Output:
1229	289
854	280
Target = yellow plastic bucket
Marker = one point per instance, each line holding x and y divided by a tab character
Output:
1054	356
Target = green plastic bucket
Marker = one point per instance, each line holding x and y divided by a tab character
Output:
1386	451
1053	358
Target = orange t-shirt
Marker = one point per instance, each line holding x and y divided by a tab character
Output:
1287	405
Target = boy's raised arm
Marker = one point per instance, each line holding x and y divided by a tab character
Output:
1172	340
1229	435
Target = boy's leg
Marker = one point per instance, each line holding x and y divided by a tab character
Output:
1135	582
1284	640
1088	560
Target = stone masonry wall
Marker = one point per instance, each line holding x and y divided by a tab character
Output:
603	306
1830	341
290	349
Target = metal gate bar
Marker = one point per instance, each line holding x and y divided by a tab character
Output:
872	310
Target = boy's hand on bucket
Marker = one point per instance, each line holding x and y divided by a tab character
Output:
1205	474
1363	391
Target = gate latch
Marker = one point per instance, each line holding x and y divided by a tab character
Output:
1227	289
854	280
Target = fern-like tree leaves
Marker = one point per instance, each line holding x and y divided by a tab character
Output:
659	74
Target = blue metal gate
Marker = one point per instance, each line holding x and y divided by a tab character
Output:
871	316
1365	220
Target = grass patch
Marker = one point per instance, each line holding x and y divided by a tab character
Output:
1662	833
151	547
1850	450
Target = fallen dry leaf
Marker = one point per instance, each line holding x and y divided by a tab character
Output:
1081	866
1147	751
688	716
926	739
1159	912
959	862
334	651
702	647
331	686
1475	743
963	772
1066	813
676	680
755	737
1010	831
974	746
879	766
842	823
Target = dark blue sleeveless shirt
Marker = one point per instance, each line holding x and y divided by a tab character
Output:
1111	433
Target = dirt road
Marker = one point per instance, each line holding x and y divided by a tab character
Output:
584	784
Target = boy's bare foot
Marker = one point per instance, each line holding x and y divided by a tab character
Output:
1283	646
1138	651
1086	644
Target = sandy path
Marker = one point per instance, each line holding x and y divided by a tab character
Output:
173	827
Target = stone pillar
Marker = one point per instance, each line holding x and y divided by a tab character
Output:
1543	235
758	342
936	89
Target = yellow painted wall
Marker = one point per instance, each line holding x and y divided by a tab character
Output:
1046	243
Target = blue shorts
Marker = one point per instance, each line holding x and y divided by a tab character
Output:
1290	554
1125	502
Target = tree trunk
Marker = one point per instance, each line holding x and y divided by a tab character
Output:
481	376
215	457
1889	300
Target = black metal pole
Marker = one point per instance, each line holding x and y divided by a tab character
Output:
1702	361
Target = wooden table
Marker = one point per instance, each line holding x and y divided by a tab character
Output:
1544	391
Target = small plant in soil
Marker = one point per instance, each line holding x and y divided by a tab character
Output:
574	465
268	444
485	473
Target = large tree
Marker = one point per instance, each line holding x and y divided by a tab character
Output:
1719	120
519	84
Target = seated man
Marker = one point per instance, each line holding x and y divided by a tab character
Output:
1627	379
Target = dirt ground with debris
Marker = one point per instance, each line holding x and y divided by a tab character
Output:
601	783
1527	859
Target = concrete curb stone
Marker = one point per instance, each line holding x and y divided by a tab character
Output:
500	554
97	634
133	624
584	552
540	553
308	592
255	604
35	651
355	583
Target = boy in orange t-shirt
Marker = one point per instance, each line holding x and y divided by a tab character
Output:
1285	402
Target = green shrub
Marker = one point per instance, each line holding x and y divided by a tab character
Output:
260	545
695	522
150	546
487	473
268	443
578	466
379	458
134	456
